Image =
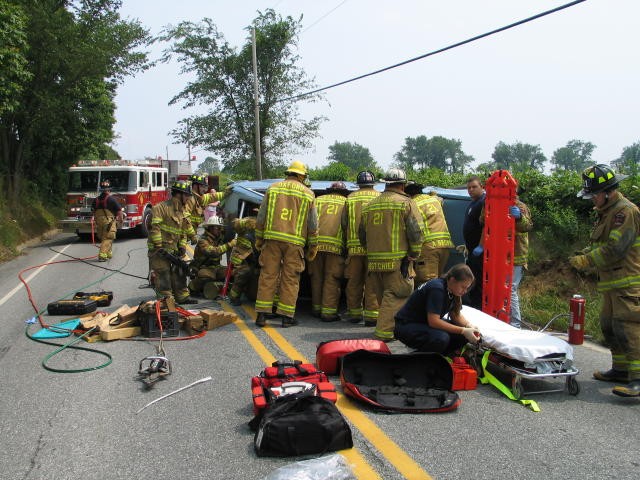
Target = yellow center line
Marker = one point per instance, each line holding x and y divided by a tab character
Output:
361	468
387	447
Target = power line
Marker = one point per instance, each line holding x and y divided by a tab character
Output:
324	16
435	52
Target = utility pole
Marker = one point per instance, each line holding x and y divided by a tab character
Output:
256	106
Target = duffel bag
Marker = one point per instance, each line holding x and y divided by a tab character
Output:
329	354
301	425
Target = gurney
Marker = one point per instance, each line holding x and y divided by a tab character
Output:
524	354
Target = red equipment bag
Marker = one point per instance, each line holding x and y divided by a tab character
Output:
329	354
283	378
415	383
465	376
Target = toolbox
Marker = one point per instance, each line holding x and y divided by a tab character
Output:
72	307
103	299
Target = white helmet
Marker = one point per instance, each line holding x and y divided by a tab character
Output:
395	175
214	221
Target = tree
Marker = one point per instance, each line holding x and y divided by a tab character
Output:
518	157
353	155
77	53
436	152
209	166
574	157
333	171
13	61
629	160
224	83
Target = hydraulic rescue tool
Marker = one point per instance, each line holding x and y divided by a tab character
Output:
177	262
154	368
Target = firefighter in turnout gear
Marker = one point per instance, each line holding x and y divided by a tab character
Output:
200	199
358	290
107	214
391	231
615	254
169	231
327	269
206	259
524	224
286	223
437	239
244	258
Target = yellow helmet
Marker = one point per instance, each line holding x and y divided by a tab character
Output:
297	167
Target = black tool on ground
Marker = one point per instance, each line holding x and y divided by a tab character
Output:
78	306
177	262
154	368
148	319
103	299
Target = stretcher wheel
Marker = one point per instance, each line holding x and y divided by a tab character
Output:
573	387
516	388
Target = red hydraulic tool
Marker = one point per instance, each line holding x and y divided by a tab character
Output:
499	243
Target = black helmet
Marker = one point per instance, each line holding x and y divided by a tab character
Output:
105	185
181	186
365	178
338	187
413	188
598	178
199	179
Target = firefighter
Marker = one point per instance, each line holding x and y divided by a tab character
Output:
327	269
200	199
437	239
524	224
287	222
615	254
107	216
244	258
206	264
358	290
391	231
169	231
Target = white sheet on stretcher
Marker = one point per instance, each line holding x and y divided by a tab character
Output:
524	345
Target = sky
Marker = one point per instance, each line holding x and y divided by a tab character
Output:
574	74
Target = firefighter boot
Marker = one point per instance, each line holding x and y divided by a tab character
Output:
288	322
611	375
261	321
187	301
631	390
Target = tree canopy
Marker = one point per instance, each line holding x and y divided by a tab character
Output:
63	99
574	157
354	156
224	84
436	152
517	157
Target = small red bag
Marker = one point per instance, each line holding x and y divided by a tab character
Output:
329	354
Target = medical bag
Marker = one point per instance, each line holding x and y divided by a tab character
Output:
301	424
415	382
284	378
329	354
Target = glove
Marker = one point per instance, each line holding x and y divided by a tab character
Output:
194	240
312	252
462	249
479	250
182	251
259	244
471	334
160	251
228	189
515	212
232	243
579	262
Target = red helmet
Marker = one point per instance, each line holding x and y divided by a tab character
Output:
105	185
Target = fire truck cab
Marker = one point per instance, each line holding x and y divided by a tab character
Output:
137	185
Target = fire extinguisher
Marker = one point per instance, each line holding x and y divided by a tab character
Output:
576	321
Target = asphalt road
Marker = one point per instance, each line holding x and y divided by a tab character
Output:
85	426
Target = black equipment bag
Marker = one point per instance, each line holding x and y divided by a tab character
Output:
301	425
72	307
415	382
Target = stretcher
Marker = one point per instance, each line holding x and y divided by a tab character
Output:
524	354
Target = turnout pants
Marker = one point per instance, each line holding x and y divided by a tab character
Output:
245	280
392	290
326	273
283	261
430	264
620	322
359	288
106	233
168	282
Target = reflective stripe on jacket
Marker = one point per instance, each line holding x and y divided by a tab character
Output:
170	228
288	214
523	225
436	231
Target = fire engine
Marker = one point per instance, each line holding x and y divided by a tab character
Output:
137	185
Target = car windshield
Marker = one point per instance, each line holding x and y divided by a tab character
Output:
88	181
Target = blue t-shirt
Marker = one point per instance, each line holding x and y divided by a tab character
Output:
431	297
472	228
